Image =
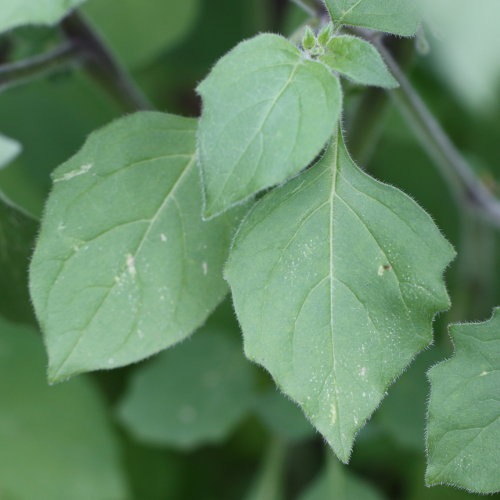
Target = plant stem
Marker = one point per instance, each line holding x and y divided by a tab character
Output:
308	9
17	73
466	187
102	65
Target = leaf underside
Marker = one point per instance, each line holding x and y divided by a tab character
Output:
336	279
400	17
463	433
124	265
267	113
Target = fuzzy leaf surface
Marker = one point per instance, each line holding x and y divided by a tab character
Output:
400	17
267	112
55	442
22	12
463	433
358	60
124	265
192	394
336	278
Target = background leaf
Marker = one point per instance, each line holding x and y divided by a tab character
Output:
146	28
345	280
9	149
20	12
267	112
400	17
192	394
123	248
55	442
464	410
358	60
337	482
283	417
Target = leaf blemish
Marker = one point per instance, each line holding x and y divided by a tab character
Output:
383	269
75	173
131	265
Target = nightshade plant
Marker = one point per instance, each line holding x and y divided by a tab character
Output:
335	277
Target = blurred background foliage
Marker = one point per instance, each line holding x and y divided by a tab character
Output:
190	424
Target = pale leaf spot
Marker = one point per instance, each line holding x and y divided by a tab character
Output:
75	173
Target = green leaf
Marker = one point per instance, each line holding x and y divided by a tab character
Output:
17	236
190	395
358	60
400	17
336	482
21	12
283	417
9	149
267	113
124	265
308	39
336	279
55	442
463	432
146	29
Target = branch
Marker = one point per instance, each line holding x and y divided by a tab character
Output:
102	65
17	73
466	187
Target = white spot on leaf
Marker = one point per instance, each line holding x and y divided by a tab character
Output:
75	173
131	265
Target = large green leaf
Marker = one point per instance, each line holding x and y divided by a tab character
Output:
17	236
463	437
358	60
336	279
192	394
20	12
9	149
55	442
401	17
146	28
336	482
267	112
124	265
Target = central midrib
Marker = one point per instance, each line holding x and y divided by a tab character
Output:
335	165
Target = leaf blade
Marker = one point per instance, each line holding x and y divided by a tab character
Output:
359	60
261	101
334	243
123	249
463	428
400	17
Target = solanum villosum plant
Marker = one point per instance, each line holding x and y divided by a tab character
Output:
334	276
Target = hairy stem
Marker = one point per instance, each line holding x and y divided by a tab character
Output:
466	187
102	65
17	73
